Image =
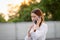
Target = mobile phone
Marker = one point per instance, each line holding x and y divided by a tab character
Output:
35	21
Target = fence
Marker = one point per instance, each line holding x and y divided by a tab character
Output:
17	31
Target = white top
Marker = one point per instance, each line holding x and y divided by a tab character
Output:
40	33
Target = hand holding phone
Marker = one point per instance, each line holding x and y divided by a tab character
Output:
35	21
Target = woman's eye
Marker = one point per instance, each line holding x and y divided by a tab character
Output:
33	16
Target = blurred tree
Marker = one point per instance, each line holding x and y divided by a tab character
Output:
47	6
51	8
1	18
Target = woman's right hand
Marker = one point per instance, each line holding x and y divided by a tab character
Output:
30	30
29	35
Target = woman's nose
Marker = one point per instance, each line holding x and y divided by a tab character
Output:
33	18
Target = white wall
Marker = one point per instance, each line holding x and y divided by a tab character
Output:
17	31
51	30
7	31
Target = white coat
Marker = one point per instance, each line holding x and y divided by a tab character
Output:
40	33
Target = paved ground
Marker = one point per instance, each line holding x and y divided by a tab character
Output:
54	39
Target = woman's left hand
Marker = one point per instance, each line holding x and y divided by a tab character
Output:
35	28
37	25
38	22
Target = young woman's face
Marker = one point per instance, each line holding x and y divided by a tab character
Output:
34	16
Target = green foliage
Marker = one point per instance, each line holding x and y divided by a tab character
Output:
47	6
53	6
1	18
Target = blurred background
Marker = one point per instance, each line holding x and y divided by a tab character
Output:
15	18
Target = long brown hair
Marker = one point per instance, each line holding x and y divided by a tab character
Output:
38	12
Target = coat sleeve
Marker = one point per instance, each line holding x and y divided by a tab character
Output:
27	38
42	31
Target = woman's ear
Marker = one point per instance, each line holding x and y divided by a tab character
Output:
38	17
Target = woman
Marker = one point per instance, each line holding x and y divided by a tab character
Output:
39	28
